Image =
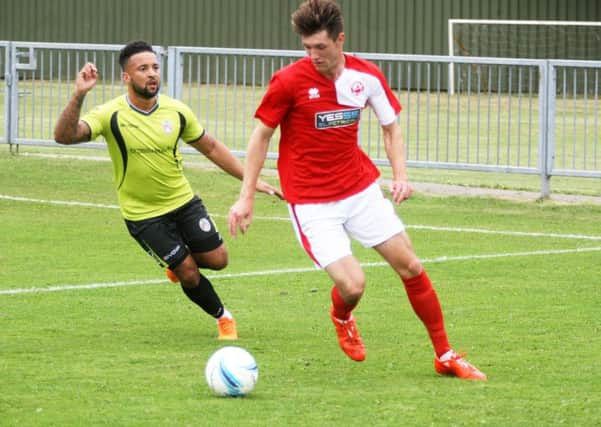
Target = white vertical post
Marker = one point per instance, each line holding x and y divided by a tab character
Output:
8	82
14	96
551	85
451	83
543	124
174	72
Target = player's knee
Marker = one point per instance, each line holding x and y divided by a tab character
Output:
220	261
189	278
354	294
414	268
215	261
218	264
353	289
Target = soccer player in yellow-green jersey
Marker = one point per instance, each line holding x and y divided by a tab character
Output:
161	211
143	147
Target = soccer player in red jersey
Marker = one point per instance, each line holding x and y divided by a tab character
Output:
331	185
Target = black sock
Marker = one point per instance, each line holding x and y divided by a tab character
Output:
205	297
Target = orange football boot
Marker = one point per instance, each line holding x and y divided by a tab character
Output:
227	328
171	276
348	338
458	367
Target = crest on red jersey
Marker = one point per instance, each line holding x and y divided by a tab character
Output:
357	88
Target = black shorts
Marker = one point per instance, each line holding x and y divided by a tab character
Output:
171	237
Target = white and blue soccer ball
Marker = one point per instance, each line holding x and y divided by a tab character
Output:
231	371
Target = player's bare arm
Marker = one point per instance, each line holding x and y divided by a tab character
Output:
400	188
219	154
240	215
69	129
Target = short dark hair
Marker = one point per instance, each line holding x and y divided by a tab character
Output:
313	16
131	49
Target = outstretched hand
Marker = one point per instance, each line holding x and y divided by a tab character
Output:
86	78
400	190
240	216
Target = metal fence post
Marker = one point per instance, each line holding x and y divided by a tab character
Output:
8	76
550	130
543	120
13	96
174	73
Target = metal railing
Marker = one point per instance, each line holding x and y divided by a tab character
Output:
574	117
538	117
5	66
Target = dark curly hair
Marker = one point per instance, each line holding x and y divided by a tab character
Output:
131	49
313	16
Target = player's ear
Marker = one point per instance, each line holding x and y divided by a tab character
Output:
125	77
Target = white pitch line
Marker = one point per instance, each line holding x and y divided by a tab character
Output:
290	270
103	206
275	218
58	202
76	287
505	232
501	255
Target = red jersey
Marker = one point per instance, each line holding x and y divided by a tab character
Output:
320	159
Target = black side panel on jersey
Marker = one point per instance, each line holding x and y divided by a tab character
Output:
182	126
121	143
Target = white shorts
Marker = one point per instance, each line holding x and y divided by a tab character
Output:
323	229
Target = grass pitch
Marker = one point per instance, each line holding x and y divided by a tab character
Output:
104	339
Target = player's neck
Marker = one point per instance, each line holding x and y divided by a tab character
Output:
337	69
141	103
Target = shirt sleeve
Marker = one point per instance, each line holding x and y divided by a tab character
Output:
275	103
192	129
383	101
95	119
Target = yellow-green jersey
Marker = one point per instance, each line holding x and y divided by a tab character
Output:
143	146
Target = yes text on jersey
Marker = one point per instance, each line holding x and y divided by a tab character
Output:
335	119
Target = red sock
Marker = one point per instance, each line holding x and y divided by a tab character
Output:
425	304
341	310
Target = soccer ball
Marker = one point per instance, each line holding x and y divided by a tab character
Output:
231	371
